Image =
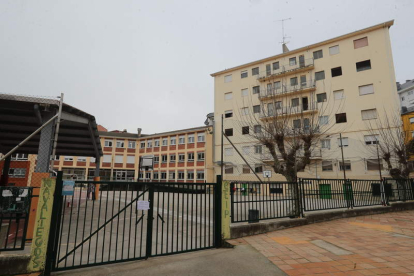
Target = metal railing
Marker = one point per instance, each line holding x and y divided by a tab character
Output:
399	189
14	217
285	89
283	69
289	110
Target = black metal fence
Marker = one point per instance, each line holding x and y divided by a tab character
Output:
134	220
399	190
14	217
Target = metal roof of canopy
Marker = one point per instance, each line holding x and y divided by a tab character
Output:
20	116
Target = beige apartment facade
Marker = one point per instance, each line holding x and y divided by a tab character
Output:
178	156
347	83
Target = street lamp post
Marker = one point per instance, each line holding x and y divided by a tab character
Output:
342	153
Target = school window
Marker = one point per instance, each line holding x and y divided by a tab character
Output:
119	159
17	172
317	54
276	65
256	89
22	157
155	175
245	92
371	139
258	168
181	140
190	175
201	137
200	175
246	169
366	89
336	72
227	78
173	140
256	109
200	156
163	175
156	143
327	166
149	144
374	165
245	111
320	98
191	156
257	129
255	71
156	159
292	61
106	158
344	142
108	143
334	50
243	74
412	120
181	157
293	81
165	141
191	138
119	144
258	149
171	176
369	114
340	118
323	120
363	65
142	145
131	144
346	165
148	175
164	158
181	175
326	143
228	151
172	158
228	132
320	75
228	96
339	94
362	42
68	158
295	102
228	170
245	130
81	159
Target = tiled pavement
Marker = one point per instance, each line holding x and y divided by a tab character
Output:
368	245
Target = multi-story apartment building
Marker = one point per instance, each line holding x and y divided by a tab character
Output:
178	156
346	82
406	94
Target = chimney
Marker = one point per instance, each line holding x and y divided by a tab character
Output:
285	48
139	132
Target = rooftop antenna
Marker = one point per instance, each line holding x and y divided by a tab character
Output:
284	42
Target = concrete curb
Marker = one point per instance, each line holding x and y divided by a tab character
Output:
12	264
241	230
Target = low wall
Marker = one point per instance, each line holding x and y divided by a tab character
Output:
239	230
12	264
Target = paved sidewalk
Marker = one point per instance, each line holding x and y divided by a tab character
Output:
369	245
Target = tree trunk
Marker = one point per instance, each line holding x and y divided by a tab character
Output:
293	209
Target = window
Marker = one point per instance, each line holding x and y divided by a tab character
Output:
268	70
246	150
156	143
106	158
81	159
181	140
303	80
362	42
277	85
256	89
320	75
412	120
320	98
258	149
164	158
326	143
227	78
228	151
131	144
172	158
276	65
228	170
402	98
228	96
292	61
317	54
108	143
336	72
119	159
243	74
191	139
200	156
130	159
323	120
339	94
363	65
369	114
270	109
374	165
327	166
371	139
17	172
366	89
180	175
200	175
142	145
257	129
165	141
181	157
245	92
344	141
246	169
256	109
255	71
163	175
293	81
149	144
296	123
24	156
258	168
201	137
156	159
173	140
295	102
346	165
190	156
245	111
68	158
334	50
228	132
155	175
119	144
190	175
171	176
340	118
245	130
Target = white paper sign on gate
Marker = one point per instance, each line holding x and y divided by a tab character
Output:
143	205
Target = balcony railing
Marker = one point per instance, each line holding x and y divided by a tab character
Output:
286	69
315	154
286	89
288	110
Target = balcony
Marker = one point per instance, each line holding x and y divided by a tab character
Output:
315	155
285	90
285	70
284	111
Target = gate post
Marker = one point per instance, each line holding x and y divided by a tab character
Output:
150	220
217	215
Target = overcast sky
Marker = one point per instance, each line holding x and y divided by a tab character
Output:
148	63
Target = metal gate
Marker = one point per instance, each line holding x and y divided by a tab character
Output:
131	221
